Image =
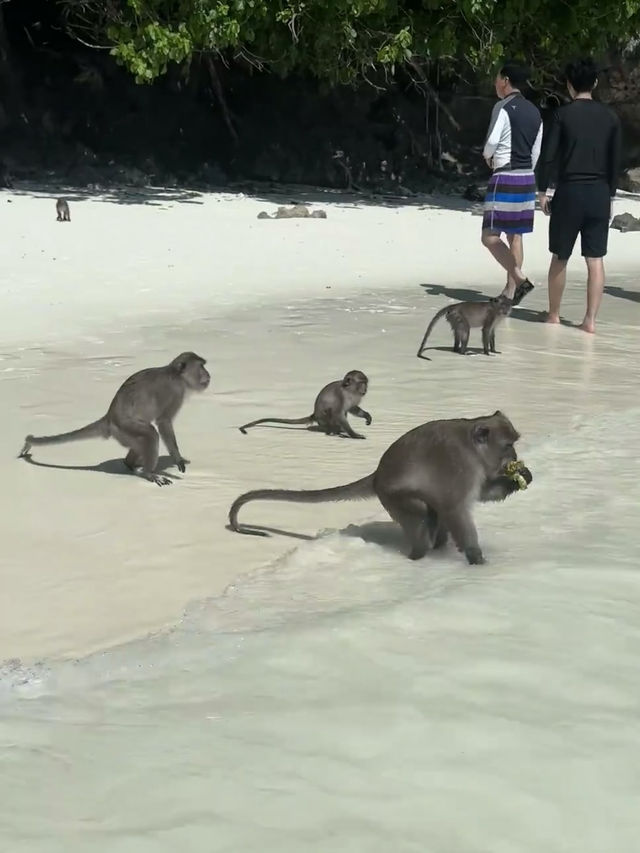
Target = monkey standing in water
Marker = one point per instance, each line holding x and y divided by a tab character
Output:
428	481
62	210
464	316
152	395
331	407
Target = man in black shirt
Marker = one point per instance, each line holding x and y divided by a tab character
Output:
581	150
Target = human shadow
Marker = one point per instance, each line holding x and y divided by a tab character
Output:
622	293
109	466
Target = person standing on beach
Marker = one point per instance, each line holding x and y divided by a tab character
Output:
582	150
511	150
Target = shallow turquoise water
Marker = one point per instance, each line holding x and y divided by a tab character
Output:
346	699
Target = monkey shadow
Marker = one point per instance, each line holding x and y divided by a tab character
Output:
470	351
623	293
386	534
110	466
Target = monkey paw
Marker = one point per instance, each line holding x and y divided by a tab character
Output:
182	463
474	556
159	480
369	420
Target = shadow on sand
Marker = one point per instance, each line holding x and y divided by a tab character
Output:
110	466
110	191
622	293
385	534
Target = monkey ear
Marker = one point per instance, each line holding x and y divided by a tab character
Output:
180	366
480	434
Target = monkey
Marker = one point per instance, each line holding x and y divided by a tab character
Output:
463	316
428	481
333	403
298	211
625	222
155	394
62	209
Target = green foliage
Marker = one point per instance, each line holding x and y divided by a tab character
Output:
348	40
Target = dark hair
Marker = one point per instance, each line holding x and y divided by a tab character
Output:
582	74
517	73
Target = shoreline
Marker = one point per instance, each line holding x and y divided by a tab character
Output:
93	559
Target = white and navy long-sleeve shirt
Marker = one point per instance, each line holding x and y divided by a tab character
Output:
514	137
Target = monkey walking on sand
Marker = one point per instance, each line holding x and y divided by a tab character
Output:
333	403
62	211
155	394
464	316
428	481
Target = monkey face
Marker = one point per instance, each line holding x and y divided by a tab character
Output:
356	381
494	439
191	368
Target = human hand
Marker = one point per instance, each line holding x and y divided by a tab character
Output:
543	201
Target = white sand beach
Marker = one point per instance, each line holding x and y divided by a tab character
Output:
91	557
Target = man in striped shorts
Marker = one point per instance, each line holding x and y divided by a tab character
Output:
512	149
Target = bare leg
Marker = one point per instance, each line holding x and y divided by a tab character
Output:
503	255
556	283
517	250
595	287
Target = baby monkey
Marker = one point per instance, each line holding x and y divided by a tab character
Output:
152	395
62	210
333	403
464	316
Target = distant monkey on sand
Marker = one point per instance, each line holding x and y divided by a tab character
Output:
464	316
333	403
62	210
154	395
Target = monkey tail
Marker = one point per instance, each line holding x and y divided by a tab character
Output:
351	492
98	429
308	420
434	320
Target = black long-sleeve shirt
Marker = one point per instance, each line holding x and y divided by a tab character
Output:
582	143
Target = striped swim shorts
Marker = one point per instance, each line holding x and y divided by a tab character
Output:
510	202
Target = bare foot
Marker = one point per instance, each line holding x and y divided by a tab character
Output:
553	318
588	326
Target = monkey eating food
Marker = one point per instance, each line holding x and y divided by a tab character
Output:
464	316
154	395
333	403
428	481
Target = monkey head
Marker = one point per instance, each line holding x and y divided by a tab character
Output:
191	369
494	438
504	304
356	381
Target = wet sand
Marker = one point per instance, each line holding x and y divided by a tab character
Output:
90	555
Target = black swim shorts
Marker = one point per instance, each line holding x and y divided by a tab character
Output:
580	208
